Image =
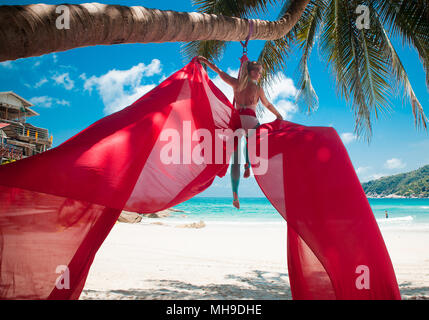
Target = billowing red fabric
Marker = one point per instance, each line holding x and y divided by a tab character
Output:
56	208
335	248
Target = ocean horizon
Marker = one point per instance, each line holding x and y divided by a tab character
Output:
403	214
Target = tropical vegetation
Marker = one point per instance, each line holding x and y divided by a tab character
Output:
361	56
410	184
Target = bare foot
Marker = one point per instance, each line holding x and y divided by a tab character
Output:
246	171
235	202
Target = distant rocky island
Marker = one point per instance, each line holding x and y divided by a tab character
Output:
413	184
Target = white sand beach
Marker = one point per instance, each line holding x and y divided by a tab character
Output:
160	261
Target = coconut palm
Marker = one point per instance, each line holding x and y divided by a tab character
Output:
365	64
37	29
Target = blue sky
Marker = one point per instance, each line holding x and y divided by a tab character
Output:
73	89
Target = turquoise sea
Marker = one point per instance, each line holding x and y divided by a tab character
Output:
409	214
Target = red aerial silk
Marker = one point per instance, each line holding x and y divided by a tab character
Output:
333	238
57	207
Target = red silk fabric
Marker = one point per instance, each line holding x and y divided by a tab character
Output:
56	208
331	231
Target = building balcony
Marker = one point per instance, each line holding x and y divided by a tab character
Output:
27	132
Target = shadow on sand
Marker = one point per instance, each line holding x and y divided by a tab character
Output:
408	291
255	285
258	284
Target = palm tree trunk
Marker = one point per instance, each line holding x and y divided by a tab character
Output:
31	30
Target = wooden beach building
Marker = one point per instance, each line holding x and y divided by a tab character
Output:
19	139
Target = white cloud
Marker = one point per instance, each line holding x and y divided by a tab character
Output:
362	173
285	107
38	84
41	82
394	163
279	93
43	101
153	68
64	80
47	102
362	170
348	137
63	102
282	87
120	88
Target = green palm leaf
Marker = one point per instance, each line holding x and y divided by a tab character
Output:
362	72
274	53
305	33
401	76
212	49
343	52
410	21
365	65
234	8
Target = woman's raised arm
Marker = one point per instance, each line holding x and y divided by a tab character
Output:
233	82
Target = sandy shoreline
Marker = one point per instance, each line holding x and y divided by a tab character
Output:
150	261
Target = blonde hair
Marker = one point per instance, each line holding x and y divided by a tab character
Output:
245	69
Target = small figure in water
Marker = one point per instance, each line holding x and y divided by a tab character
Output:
387	216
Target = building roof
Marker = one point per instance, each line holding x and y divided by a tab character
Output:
27	103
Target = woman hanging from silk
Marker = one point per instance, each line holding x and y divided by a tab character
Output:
247	94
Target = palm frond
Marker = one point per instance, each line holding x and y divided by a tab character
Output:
212	49
375	72
272	58
365	64
410	21
274	54
305	33
401	76
360	72
353	76
334	43
234	8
